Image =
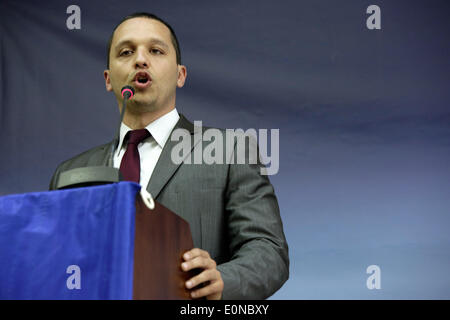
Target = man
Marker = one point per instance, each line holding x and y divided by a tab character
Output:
231	208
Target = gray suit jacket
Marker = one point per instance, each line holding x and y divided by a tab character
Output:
231	209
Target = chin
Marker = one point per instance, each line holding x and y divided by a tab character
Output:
143	104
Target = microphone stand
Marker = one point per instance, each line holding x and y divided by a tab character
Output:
117	139
97	175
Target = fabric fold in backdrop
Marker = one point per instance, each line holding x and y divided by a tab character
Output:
43	234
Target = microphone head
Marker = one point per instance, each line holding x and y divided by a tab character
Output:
127	92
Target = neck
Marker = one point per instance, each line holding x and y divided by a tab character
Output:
143	119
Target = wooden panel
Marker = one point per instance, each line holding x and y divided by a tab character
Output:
161	238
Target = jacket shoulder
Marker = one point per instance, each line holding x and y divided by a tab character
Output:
95	156
91	157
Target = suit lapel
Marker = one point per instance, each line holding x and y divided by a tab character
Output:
102	156
165	168
106	158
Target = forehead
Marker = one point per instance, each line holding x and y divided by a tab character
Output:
141	28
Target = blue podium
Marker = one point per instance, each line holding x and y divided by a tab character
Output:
84	244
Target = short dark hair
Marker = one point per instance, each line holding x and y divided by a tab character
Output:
149	16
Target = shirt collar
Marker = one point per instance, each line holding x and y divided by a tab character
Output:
160	129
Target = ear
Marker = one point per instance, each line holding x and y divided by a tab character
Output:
182	74
107	80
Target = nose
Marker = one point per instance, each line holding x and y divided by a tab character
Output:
142	59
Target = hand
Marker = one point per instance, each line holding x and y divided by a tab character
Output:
197	258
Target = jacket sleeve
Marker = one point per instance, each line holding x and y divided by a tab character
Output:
259	262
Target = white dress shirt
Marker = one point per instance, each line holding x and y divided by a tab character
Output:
149	149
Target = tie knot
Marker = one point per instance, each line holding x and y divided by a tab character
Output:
136	136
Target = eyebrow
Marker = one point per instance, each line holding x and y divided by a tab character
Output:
152	40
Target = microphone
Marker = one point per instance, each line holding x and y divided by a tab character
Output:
91	176
127	93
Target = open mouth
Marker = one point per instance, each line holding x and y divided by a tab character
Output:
142	79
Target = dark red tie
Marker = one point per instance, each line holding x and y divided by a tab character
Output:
130	167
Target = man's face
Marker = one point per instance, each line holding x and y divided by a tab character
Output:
142	55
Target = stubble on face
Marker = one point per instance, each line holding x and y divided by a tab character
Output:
144	45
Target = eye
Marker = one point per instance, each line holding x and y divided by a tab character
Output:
156	51
125	53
